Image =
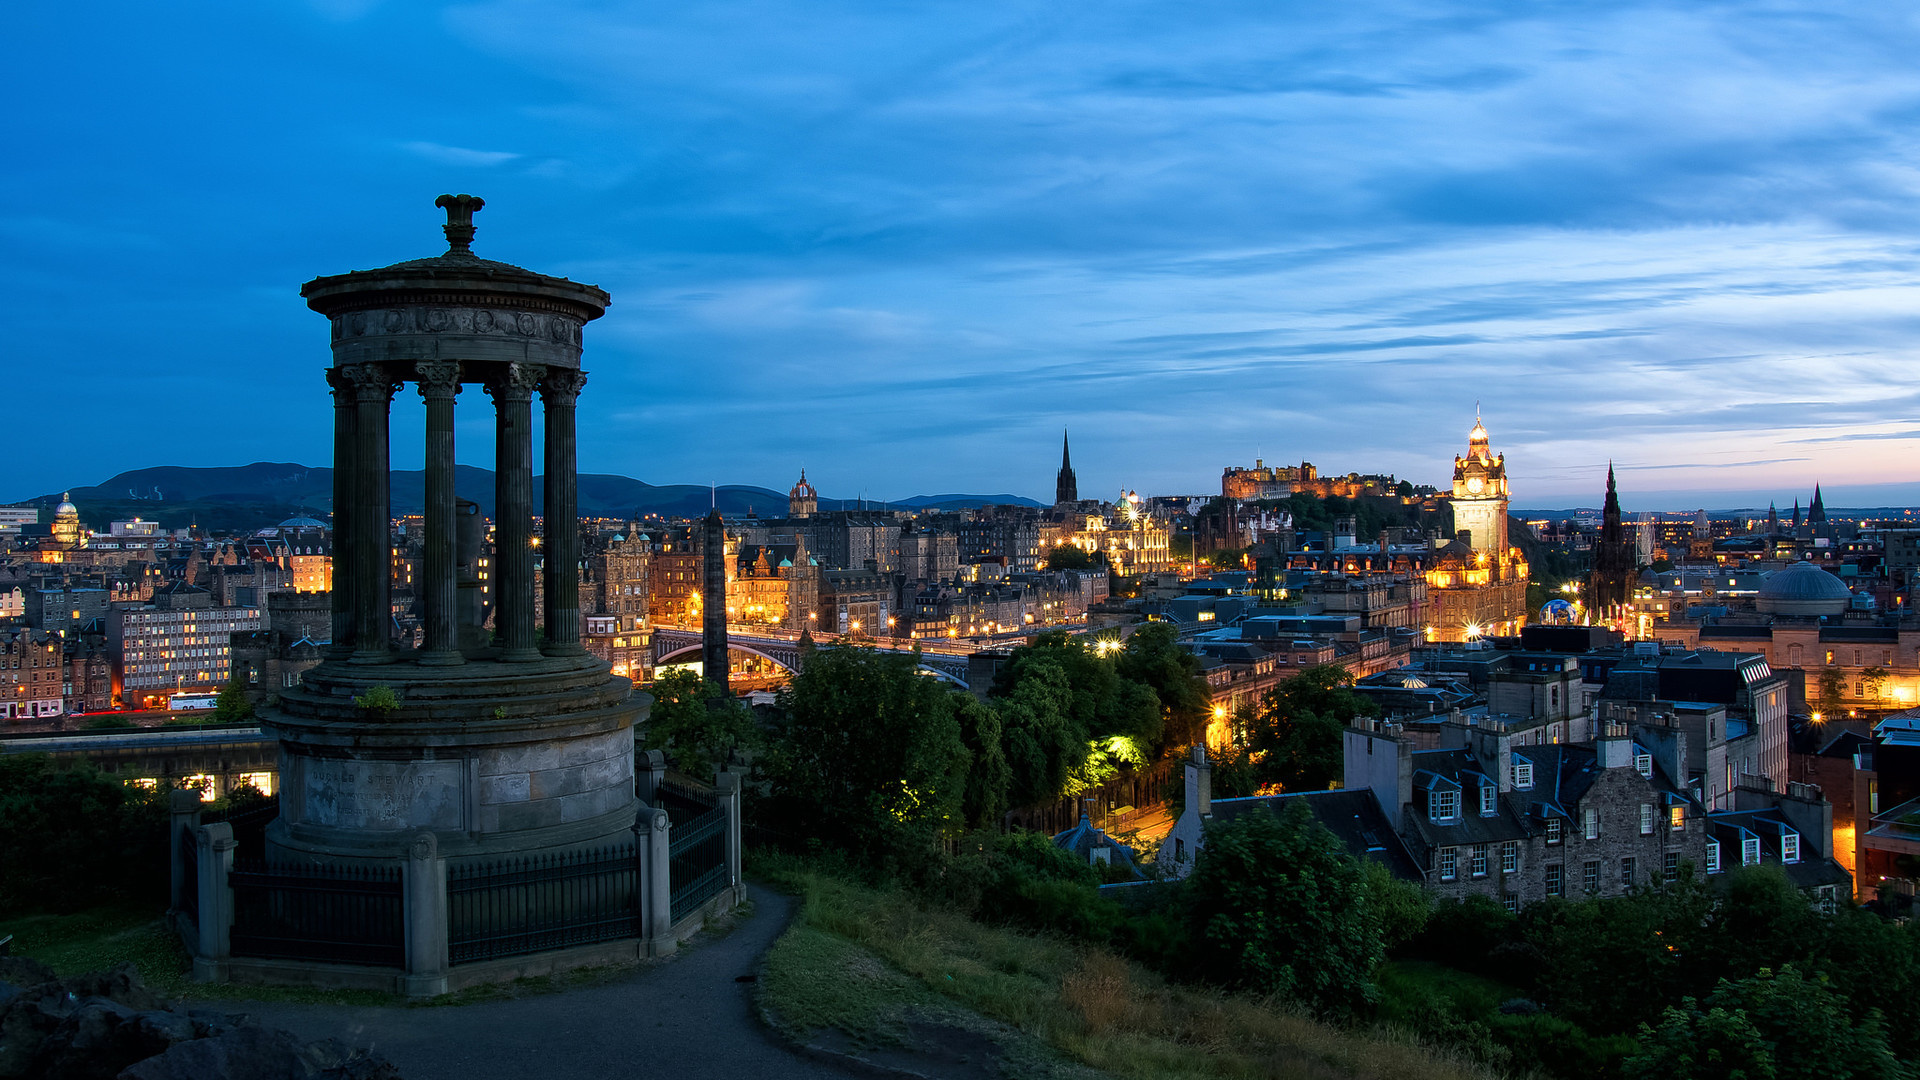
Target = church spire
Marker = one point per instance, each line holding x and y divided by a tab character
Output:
1817	513
1066	489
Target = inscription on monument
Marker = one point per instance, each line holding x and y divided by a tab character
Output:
384	794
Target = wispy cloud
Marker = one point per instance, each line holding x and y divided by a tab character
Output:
459	155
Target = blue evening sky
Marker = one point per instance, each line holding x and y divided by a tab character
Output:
905	244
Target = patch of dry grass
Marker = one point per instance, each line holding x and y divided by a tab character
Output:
1100	1008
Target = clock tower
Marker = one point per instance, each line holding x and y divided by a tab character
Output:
1480	493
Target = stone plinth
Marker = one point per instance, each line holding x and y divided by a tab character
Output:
490	757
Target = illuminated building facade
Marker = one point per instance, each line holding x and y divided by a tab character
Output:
1477	586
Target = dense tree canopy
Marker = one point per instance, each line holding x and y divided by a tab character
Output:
697	723
870	758
1295	737
1277	906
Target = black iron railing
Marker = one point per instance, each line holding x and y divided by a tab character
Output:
698	863
682	803
337	914
249	826
513	906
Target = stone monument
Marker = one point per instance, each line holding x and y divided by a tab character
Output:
494	744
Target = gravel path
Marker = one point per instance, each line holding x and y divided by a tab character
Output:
684	1018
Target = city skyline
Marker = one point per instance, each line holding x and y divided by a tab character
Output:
927	241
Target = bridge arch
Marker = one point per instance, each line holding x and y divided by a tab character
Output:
693	652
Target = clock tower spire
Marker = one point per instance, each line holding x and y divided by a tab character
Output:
1480	493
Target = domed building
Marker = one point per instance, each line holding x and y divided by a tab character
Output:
67	531
1802	589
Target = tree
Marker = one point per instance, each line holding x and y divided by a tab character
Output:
1043	737
697	723
870	758
989	777
1295	739
1701	1044
1069	557
1277	906
232	705
1154	659
1875	678
1833	687
74	837
1770	1026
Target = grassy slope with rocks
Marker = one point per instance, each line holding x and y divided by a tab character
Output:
1090	1004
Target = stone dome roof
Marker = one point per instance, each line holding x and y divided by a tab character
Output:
302	522
1802	589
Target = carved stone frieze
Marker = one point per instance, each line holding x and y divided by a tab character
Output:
446	319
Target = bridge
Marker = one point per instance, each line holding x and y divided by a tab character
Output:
677	645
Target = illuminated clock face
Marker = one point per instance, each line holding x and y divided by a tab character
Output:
1474	485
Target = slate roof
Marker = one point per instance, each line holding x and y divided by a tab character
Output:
1352	816
1814	866
1083	838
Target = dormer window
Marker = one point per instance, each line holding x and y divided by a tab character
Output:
1444	804
1643	764
1713	856
1553	830
1522	774
1488	797
1750	851
1790	847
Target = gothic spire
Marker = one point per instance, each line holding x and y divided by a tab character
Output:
1066	489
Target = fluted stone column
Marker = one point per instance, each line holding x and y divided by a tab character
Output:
439	384
512	389
558	391
371	569
341	598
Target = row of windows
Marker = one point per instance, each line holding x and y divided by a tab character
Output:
1477	860
1590	874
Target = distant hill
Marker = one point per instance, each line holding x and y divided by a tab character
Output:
245	496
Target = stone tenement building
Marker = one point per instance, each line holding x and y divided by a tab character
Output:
31	675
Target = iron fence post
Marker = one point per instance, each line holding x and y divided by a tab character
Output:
659	883
184	816
728	783
424	913
215	846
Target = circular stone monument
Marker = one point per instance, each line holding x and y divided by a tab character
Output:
495	740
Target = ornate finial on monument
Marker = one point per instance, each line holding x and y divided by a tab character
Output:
459	225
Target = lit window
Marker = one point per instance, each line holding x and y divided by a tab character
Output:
1677	818
1790	847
